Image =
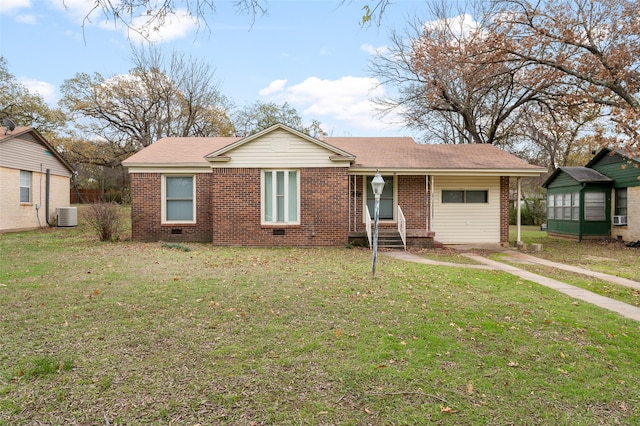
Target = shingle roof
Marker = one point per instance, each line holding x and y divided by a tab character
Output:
585	174
579	174
370	152
177	150
405	153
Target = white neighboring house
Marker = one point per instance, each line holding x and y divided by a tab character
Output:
25	157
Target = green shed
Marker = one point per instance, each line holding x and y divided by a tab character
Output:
599	200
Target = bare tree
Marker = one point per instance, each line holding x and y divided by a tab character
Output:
156	13
159	97
451	81
589	47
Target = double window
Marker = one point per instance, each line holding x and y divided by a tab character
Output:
179	199
25	186
280	197
465	196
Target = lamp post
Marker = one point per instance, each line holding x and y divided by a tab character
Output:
377	184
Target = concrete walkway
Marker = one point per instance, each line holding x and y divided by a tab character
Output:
624	309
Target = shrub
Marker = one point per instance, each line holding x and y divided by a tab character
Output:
105	219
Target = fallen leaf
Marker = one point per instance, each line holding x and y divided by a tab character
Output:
561	355
470	388
447	410
512	364
96	291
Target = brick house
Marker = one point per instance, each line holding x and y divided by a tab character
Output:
281	187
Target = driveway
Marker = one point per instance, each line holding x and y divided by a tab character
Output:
624	309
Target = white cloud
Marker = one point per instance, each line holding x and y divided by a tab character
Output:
78	10
372	50
176	25
345	100
461	25
274	87
46	90
7	6
27	19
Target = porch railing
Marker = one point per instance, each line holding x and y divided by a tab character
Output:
368	221
402	227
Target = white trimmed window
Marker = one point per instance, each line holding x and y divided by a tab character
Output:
25	186
178	199
280	197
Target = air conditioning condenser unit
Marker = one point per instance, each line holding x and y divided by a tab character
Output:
67	216
620	220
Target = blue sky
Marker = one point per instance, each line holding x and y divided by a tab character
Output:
312	54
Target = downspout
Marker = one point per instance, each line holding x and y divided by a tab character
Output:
518	210
46	197
581	218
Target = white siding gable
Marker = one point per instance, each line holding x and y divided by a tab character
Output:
279	149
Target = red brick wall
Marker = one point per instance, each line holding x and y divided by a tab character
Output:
504	210
146	213
323	200
412	198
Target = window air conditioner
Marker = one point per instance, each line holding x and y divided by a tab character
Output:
619	220
67	216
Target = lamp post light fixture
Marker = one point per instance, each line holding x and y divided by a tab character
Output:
377	184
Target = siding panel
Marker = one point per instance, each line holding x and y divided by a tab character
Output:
25	153
467	223
279	149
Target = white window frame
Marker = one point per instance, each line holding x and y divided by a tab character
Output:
25	178
365	192
274	205
164	199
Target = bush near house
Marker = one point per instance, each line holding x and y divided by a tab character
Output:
533	212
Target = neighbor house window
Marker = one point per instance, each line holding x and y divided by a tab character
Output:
25	186
551	206
179	199
621	202
566	208
468	196
594	206
559	201
386	198
280	197
575	210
